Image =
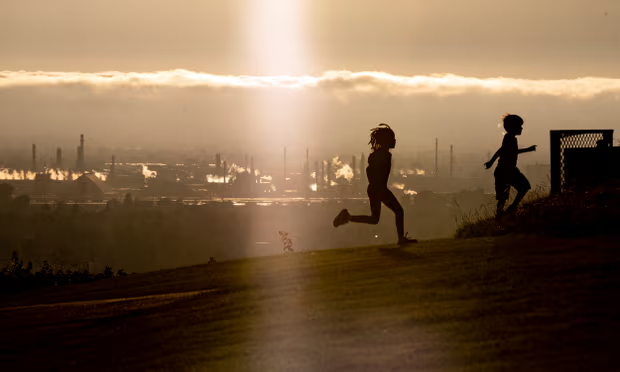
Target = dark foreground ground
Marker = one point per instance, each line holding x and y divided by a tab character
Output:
511	303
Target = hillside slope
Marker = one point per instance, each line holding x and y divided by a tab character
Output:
511	303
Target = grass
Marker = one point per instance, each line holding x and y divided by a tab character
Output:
572	213
506	303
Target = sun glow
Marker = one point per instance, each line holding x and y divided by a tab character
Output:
276	36
276	41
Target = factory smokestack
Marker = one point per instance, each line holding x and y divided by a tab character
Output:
59	158
218	165
436	157
451	159
329	174
252	172
317	175
80	154
322	174
111	174
34	157
307	178
225	172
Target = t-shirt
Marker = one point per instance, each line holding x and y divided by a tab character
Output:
508	153
379	167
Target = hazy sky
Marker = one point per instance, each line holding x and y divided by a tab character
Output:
544	47
526	38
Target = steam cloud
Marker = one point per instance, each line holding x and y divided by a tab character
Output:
342	170
337	82
55	174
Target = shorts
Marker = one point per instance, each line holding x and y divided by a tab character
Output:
505	179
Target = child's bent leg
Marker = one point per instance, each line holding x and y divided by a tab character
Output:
500	208
515	203
522	185
375	209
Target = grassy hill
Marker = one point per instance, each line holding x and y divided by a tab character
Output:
506	303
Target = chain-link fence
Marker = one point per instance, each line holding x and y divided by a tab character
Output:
563	142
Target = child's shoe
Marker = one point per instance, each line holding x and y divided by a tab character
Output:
342	218
405	240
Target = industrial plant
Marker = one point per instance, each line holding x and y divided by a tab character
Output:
218	178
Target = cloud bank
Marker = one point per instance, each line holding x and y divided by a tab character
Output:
338	82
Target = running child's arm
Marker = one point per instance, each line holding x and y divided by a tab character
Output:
489	164
527	149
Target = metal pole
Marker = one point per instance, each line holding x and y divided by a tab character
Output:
555	160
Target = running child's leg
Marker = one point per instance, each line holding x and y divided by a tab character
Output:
375	208
522	185
502	190
515	203
391	202
500	207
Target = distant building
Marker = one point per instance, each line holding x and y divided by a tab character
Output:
89	185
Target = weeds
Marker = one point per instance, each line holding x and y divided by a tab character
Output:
16	276
287	242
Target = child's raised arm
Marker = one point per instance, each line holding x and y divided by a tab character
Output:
527	149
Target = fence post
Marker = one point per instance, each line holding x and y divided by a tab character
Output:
556	182
608	138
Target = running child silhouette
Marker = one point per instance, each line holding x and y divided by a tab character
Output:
382	139
507	174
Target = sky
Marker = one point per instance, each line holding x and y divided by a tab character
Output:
257	75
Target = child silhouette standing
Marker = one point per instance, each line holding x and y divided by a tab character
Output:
382	139
507	174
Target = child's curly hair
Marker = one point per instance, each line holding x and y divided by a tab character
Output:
381	136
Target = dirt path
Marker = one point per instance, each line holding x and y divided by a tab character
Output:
484	304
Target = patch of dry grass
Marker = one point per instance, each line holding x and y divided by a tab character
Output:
572	213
